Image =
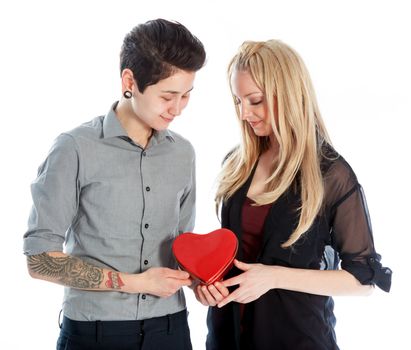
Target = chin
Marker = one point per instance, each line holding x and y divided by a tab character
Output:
260	133
160	127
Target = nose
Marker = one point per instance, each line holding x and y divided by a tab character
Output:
175	108
244	112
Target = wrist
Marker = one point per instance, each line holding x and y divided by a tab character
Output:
278	272
132	283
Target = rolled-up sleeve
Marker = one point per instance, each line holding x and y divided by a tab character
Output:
353	239
55	194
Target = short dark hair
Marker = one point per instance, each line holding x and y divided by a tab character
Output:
155	49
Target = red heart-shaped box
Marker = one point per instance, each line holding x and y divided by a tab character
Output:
206	257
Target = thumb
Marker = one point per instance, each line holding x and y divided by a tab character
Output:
242	266
186	282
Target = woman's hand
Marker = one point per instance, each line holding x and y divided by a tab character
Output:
211	295
256	280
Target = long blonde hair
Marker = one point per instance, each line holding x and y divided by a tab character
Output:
281	74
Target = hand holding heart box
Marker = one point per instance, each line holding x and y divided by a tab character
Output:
206	257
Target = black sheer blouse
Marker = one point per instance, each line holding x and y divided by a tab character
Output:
340	237
350	226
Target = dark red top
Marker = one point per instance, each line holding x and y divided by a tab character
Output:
253	218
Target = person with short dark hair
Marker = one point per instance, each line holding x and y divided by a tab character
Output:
114	193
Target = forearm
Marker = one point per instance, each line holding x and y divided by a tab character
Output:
74	272
320	282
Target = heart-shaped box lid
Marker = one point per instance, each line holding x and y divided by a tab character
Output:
206	257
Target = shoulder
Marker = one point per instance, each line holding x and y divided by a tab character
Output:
339	177
71	141
181	144
91	129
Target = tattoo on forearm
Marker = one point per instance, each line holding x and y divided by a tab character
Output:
114	281
70	271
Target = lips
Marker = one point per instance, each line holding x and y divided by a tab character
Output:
254	124
168	120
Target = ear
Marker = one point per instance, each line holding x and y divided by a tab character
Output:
128	81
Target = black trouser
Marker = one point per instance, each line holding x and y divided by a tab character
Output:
168	332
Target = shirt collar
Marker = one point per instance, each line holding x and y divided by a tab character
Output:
113	128
160	136
111	124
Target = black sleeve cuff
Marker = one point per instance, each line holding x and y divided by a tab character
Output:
371	272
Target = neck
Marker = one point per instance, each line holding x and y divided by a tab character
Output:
137	130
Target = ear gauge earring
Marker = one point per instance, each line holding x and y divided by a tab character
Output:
127	94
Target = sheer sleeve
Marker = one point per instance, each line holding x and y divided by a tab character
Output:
351	232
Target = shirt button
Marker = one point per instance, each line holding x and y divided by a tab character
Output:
145	262
146	225
147	189
143	297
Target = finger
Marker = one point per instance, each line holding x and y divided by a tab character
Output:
215	293
210	299
222	289
186	283
177	284
242	266
231	297
200	296
179	274
232	281
194	283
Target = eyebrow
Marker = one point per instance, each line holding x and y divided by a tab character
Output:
252	93
176	92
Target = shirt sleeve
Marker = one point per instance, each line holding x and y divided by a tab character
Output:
187	204
55	194
351	231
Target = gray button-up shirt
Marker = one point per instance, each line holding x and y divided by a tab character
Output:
115	205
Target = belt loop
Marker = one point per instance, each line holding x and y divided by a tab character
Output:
169	325
60	323
99	332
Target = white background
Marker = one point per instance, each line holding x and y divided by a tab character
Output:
59	68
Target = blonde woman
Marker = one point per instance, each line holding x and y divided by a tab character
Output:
298	211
